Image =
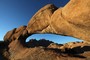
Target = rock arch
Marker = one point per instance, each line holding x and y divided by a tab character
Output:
71	20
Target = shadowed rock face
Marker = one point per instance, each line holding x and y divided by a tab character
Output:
48	50
3	49
42	42
72	20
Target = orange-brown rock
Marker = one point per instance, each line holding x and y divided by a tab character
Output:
39	50
9	34
72	20
41	19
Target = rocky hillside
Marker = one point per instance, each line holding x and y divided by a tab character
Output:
48	50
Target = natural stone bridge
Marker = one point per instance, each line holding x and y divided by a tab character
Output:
71	20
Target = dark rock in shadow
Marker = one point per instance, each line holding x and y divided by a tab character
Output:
3	48
66	53
42	42
77	50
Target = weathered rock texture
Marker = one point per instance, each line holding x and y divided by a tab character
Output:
40	50
72	20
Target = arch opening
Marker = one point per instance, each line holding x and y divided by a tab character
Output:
53	37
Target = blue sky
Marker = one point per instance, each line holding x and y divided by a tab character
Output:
14	13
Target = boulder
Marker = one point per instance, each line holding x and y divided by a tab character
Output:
41	19
9	34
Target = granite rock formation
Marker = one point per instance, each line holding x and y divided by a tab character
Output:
70	20
40	50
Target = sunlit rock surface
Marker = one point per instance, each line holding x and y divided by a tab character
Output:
72	20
